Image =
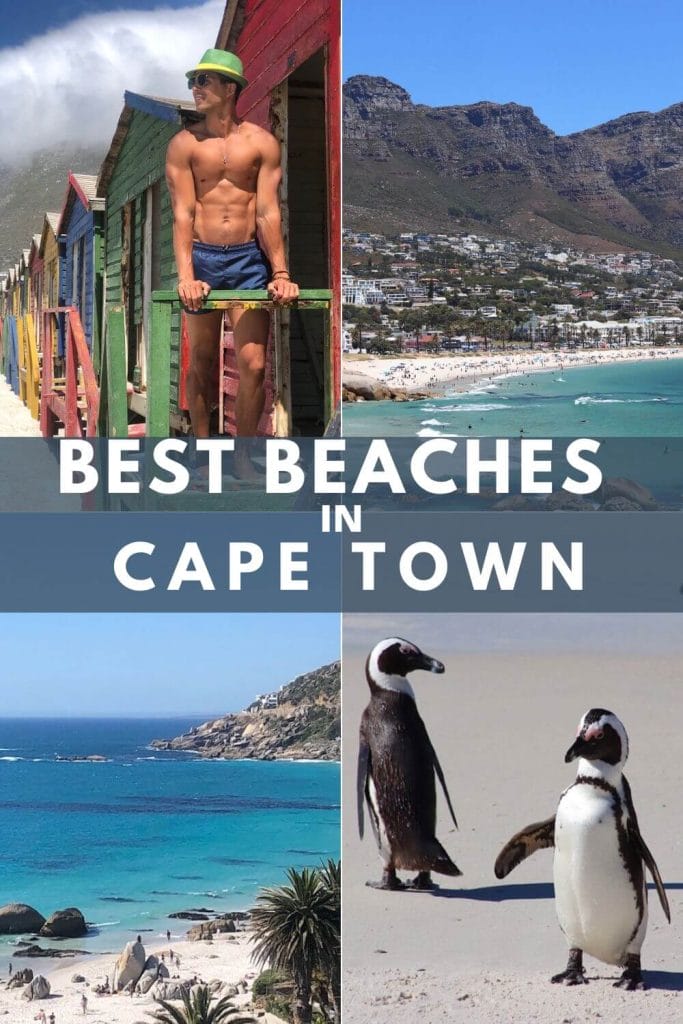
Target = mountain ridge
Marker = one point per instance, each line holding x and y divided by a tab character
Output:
460	167
300	721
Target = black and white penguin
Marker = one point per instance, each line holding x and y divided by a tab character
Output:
600	890
396	768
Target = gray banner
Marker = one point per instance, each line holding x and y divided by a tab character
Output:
433	562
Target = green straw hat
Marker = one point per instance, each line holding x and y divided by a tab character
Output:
222	62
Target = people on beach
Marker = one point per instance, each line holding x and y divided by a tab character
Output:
10	970
168	935
223	175
84	1003
41	1018
51	1019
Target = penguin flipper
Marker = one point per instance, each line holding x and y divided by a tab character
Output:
538	836
642	848
654	871
362	780
439	774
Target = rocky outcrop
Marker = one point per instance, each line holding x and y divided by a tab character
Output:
32	950
20	978
409	166
621	488
19	919
380	393
154	970
64	924
299	721
129	966
94	758
207	929
38	988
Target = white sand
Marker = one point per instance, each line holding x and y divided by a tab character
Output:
227	958
15	419
459	371
483	951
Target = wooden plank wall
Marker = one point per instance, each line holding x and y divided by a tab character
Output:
80	226
140	164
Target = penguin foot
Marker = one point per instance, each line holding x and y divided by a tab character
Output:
570	977
632	978
422	882
395	885
390	881
574	973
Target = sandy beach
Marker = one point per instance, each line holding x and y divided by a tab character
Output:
482	951
15	419
459	372
227	958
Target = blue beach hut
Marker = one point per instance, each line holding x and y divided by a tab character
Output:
80	232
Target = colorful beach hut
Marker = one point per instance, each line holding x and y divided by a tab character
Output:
81	225
138	250
291	54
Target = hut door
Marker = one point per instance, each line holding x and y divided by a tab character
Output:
308	238
128	282
282	372
151	275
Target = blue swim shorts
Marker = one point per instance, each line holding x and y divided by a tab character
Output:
229	267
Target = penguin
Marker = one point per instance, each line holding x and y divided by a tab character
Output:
600	856
396	768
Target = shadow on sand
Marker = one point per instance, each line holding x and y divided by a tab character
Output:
666	981
500	893
528	891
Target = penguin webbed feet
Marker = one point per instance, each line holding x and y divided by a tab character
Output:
390	882
575	973
422	882
632	978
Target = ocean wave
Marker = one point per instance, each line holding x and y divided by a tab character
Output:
429	432
8	758
434	423
474	407
103	924
592	400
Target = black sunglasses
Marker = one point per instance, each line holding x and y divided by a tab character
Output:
203	78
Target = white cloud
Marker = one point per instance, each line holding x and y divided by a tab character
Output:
67	86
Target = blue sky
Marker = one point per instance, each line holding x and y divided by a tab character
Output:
65	66
157	665
576	64
21	21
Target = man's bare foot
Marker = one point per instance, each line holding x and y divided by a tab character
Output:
243	467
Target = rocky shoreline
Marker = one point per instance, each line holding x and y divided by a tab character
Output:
300	722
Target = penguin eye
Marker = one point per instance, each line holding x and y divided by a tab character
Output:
598	735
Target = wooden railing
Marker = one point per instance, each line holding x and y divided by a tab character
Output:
73	399
159	365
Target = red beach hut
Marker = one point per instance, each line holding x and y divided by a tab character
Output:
291	54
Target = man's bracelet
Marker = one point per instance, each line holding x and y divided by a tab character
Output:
279	273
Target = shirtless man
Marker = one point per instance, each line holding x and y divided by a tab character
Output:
223	175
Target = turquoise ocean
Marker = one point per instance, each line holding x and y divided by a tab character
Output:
147	833
639	399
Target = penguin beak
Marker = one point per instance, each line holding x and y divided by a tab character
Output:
431	664
576	750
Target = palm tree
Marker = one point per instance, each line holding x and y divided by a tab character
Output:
196	1009
296	930
330	877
